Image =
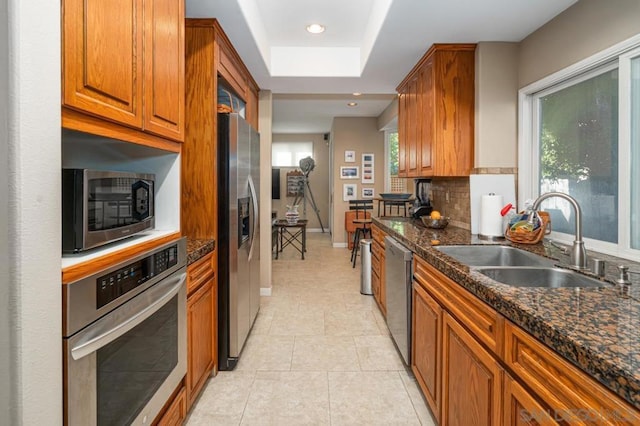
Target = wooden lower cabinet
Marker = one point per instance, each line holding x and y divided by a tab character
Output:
474	367
378	275
572	395
521	408
426	348
471	379
176	413
201	327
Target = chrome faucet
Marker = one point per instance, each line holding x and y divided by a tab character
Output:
578	253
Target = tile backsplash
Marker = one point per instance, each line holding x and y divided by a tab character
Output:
451	195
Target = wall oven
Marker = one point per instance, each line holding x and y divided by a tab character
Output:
125	339
99	207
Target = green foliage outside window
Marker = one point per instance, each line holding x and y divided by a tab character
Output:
393	154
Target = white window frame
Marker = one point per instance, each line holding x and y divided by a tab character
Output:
620	56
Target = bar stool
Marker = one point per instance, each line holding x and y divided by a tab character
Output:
362	222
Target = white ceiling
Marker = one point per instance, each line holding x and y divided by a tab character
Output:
368	46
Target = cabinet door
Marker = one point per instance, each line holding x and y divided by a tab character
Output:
521	409
471	379
454	76
413	126
402	134
164	55
382	302
201	322
427	346
427	118
102	58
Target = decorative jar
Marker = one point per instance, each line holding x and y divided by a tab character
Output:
292	214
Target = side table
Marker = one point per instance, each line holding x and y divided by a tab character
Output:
291	235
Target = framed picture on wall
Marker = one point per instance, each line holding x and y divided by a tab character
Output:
349	156
349	191
367	192
349	172
367	168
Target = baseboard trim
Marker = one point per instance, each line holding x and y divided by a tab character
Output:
319	230
265	291
339	245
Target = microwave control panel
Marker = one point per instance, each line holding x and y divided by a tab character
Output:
117	283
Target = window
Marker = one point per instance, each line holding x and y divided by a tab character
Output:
580	135
289	154
393	183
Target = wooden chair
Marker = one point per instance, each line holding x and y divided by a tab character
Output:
362	222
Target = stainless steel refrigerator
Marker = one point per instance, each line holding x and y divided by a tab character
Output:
238	235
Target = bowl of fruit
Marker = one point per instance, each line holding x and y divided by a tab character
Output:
435	220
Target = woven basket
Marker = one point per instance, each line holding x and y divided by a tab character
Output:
532	237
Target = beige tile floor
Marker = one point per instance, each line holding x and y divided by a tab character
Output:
319	353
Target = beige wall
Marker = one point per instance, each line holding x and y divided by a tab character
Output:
584	29
362	136
496	110
264	126
318	180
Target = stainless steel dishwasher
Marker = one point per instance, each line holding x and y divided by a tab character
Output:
398	266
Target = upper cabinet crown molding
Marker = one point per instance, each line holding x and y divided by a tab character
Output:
124	62
436	113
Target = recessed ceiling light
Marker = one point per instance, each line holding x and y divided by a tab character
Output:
357	94
315	28
352	104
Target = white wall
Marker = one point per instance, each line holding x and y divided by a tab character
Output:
265	108
5	351
33	172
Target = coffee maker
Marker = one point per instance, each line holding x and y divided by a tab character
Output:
422	204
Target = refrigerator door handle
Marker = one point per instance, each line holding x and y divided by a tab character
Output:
254	200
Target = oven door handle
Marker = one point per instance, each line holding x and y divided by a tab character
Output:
126	317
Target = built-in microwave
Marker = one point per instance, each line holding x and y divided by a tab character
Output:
99	207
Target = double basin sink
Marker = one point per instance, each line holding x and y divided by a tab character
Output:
517	268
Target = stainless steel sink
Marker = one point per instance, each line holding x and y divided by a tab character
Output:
540	277
494	256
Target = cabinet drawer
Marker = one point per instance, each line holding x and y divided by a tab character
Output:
569	392
199	272
378	235
375	264
485	323
176	412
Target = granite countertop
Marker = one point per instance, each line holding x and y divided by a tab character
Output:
596	329
197	248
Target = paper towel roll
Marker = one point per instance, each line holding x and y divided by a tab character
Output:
490	218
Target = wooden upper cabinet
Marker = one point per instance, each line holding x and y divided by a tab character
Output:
427	117
102	58
123	61
413	128
164	52
440	113
402	133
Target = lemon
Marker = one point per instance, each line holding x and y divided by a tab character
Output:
435	215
